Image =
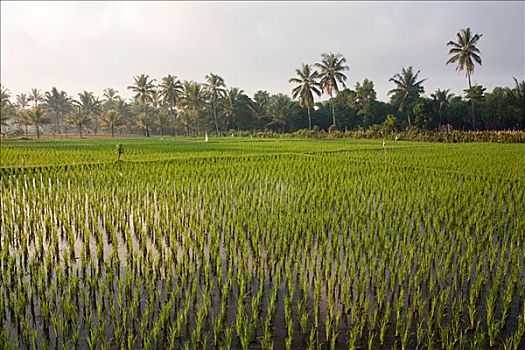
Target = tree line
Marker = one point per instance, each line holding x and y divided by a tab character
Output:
174	106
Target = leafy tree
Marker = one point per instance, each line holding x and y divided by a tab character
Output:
143	88
170	89
307	86
442	99
464	52
215	90
331	70
499	111
424	114
363	99
475	95
57	103
407	91
78	117
38	118
517	96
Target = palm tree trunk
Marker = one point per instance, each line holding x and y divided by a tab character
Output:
58	125
80	130
309	119
333	110
37	132
471	103
112	130
215	116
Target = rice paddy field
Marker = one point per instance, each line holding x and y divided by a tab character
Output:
244	243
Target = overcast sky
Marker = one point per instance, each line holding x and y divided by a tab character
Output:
89	46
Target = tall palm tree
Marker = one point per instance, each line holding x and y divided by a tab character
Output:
308	84
79	118
38	118
215	89
110	96
517	95
331	70
232	101
144	88
90	105
170	89
36	96
6	107
464	52
22	102
407	89
442	98
58	103
193	100
281	109
111	119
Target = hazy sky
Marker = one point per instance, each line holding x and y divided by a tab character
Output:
253	45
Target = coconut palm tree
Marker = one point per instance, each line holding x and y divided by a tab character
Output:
58	103
232	102
407	90
281	109
193	101
22	102
6	107
215	89
442	98
79	118
144	88
517	95
170	89
90	105
110	96
111	119
307	85
331	70
38	118
464	52
36	96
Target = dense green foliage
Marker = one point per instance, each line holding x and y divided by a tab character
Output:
260	243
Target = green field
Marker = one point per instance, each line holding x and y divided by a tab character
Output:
261	243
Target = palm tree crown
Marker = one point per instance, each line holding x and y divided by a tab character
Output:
143	88
331	70
215	89
307	85
407	90
442	98
464	52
